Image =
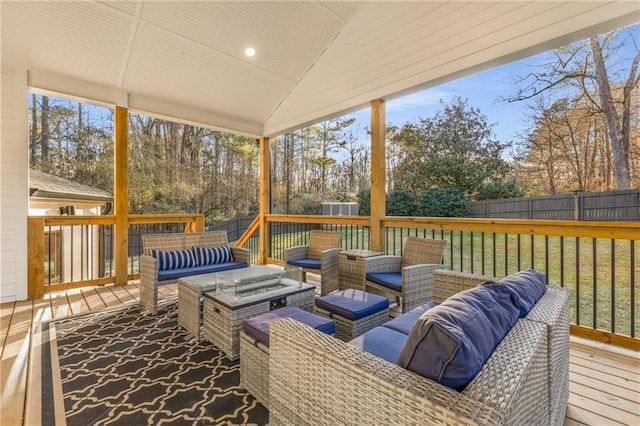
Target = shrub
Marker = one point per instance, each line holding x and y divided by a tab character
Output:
401	202
444	201
364	202
497	190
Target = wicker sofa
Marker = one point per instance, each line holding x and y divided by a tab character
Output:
317	379
149	265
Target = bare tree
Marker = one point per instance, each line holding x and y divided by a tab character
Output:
581	69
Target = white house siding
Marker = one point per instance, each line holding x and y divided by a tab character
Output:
14	183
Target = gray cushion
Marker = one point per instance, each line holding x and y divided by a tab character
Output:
451	342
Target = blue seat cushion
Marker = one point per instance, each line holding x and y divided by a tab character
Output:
451	342
352	304
382	342
176	259
405	322
392	280
174	274
529	285
258	326
306	263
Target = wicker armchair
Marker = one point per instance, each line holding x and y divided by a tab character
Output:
319	257
407	277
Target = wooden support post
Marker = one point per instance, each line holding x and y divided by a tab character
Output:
199	223
265	201
121	196
378	184
35	248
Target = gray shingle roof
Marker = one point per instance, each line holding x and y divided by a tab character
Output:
45	185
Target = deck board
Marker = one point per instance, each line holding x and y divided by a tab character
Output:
93	299
108	297
77	304
602	409
121	293
6	311
604	381
14	364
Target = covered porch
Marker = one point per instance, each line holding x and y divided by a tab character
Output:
315	60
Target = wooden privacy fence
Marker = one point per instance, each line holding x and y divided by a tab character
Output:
601	206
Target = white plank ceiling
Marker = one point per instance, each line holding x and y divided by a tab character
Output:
185	59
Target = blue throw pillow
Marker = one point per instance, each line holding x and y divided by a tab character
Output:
174	259
451	342
529	285
213	255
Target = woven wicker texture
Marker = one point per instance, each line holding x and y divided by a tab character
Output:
352	267
222	324
319	380
190	290
254	368
167	242
554	313
416	265
329	242
418	251
320	241
447	283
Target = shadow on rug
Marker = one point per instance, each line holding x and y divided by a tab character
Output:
128	367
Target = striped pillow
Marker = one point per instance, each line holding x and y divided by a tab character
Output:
174	259
211	255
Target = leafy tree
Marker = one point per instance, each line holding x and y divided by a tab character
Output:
499	190
453	148
444	201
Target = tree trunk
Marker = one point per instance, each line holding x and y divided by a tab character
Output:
619	143
44	135
33	154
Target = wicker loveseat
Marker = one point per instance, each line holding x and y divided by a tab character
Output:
152	276
316	379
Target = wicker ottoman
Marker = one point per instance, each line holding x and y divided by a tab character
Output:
254	347
355	311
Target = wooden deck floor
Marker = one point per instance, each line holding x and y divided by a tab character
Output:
604	380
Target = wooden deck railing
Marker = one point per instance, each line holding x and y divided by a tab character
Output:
597	261
77	251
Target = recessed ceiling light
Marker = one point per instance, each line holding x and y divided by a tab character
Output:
250	51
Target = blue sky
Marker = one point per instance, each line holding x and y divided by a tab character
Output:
482	90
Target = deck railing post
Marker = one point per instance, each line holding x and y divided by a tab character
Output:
378	183
35	245
264	251
121	197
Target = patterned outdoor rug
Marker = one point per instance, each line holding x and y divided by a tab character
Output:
128	367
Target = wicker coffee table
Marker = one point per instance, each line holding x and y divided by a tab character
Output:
191	290
228	306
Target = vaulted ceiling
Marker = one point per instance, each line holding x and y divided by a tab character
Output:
185	59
